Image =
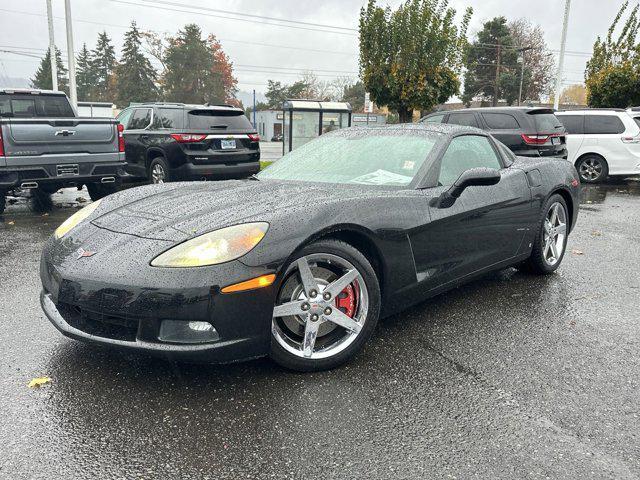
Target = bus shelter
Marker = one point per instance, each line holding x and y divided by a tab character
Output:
304	120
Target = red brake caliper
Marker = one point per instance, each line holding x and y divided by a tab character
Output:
347	301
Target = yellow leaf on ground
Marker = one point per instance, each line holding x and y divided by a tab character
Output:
11	223
38	382
575	251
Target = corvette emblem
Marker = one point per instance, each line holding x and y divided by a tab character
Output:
82	253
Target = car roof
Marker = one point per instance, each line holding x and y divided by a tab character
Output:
187	106
593	111
522	109
441	128
31	91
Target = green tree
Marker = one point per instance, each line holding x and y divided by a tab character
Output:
42	77
411	58
102	69
354	94
85	80
278	93
492	64
612	76
135	77
188	76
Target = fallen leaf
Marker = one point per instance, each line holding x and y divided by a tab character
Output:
575	251
38	382
45	214
81	199
596	233
11	223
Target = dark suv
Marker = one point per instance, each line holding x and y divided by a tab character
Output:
173	141
527	131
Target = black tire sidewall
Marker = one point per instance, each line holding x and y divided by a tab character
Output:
3	201
537	263
98	191
605	168
358	260
165	166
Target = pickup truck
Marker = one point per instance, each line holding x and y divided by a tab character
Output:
45	145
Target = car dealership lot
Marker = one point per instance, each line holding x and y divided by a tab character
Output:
512	376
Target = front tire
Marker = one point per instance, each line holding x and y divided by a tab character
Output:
159	171
327	307
551	240
592	169
3	201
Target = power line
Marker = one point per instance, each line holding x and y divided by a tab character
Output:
233	18
176	4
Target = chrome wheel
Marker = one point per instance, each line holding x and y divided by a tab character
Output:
591	169
554	234
158	174
321	307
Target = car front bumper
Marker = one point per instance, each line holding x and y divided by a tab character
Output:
92	304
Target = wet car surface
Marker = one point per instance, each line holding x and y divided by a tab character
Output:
512	376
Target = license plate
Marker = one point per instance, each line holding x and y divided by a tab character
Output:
555	140
65	170
228	144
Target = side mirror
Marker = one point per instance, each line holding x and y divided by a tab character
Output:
472	177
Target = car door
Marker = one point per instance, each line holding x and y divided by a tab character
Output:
136	138
574	125
485	226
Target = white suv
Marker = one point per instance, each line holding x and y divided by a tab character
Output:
602	143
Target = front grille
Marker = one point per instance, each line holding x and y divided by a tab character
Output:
100	324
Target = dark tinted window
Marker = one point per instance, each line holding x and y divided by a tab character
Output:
169	118
546	122
140	119
602	124
463	153
30	106
434	118
501	121
466	119
221	120
574	124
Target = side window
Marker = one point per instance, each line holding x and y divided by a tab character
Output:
23	108
140	119
437	118
501	121
466	119
573	124
124	116
602	125
169	118
463	153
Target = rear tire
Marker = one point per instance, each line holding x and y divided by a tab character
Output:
320	329
159	171
101	190
550	243
3	201
592	168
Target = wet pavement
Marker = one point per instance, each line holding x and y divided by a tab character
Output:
513	376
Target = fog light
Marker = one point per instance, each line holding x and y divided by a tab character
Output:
178	331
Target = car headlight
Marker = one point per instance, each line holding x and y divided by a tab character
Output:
214	247
75	219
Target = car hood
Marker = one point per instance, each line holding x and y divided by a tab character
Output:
177	212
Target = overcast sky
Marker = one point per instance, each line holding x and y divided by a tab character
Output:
260	51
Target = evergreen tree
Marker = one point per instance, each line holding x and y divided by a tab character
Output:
135	77
42	77
85	80
103	65
492	64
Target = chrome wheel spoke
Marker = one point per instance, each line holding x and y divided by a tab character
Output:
554	215
310	335
289	308
561	229
341	283
554	249
343	320
306	277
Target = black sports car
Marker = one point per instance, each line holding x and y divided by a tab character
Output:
301	261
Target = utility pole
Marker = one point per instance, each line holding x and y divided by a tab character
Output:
72	58
52	49
254	108
521	60
496	87
563	44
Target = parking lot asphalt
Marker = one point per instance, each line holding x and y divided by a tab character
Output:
513	376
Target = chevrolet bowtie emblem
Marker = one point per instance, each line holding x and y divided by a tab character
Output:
82	253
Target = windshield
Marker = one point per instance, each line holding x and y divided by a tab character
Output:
32	106
368	157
